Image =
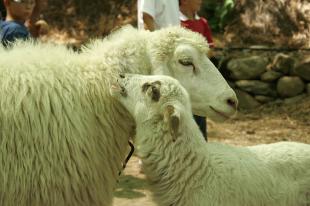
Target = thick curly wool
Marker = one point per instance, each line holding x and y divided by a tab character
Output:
186	170
54	145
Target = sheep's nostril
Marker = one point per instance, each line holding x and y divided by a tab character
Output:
122	76
232	102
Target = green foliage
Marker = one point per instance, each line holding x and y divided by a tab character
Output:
218	13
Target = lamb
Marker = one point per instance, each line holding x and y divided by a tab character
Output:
183	170
63	138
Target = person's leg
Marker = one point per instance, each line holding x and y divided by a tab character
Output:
2	10
202	123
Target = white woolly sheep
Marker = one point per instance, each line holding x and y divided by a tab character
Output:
183	170
63	138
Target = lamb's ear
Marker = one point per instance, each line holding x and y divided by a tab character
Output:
172	118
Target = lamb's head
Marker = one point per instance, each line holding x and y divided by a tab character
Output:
182	54
153	98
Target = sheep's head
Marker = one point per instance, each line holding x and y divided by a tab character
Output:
182	54
153	97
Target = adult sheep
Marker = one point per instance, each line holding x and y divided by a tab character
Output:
183	170
63	138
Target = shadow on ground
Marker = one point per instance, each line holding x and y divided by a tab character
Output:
130	187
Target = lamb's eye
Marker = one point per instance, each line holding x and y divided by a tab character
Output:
152	90
145	87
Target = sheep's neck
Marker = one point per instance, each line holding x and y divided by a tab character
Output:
139	63
170	165
122	58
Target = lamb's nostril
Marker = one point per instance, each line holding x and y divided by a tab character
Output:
122	76
123	91
232	102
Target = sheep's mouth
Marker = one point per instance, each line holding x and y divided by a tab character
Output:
219	113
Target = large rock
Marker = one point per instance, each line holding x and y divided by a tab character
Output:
270	76
289	86
282	63
257	87
303	69
246	101
247	67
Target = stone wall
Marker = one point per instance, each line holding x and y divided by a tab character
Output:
260	78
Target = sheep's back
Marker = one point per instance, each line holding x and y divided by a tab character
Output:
290	159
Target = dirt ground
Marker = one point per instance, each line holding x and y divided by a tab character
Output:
269	123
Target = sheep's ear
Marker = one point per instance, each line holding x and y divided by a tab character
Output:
172	118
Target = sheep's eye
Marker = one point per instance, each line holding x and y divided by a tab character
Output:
186	62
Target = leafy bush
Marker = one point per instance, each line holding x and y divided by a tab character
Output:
218	13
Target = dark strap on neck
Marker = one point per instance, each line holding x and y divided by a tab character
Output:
132	149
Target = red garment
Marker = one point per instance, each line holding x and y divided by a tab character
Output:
201	26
